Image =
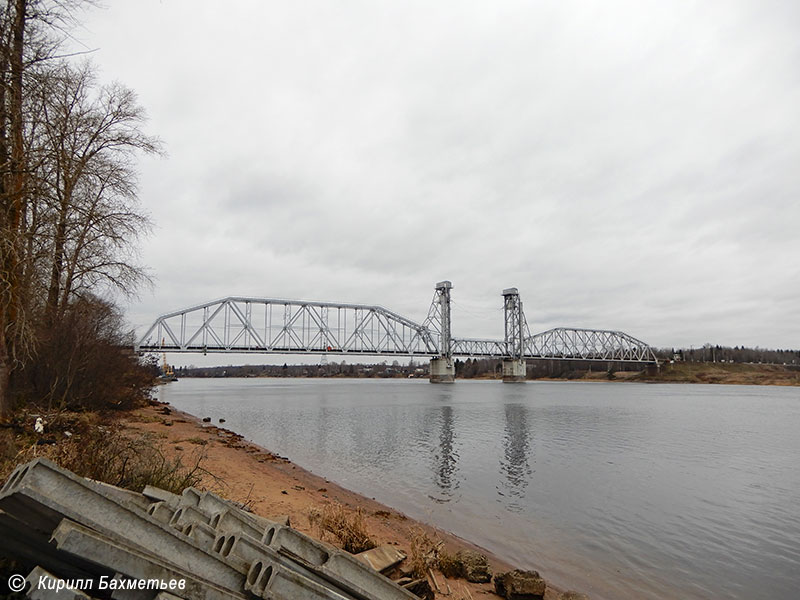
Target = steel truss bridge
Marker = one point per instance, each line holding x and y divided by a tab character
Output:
275	326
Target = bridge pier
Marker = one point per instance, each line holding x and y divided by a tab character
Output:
653	369
514	370
442	370
514	366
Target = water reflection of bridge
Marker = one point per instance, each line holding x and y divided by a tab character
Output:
514	468
273	326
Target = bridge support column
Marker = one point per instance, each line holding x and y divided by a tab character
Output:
442	370
514	370
653	369
514	366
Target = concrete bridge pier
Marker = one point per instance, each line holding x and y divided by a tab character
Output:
442	370
514	370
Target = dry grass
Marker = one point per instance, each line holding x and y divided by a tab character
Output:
348	529
424	553
429	553
105	452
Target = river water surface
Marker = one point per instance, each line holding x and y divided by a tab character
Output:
621	490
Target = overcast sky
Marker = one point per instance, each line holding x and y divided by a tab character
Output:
627	165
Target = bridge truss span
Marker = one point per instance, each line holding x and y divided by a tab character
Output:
476	348
588	344
278	326
274	326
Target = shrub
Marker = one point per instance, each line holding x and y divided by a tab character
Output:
85	360
449	564
106	453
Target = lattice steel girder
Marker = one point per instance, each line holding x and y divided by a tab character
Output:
269	325
488	348
277	326
588	344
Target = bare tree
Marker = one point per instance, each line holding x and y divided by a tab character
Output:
92	136
69	217
26	40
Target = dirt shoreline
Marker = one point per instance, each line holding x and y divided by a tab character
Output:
274	486
679	372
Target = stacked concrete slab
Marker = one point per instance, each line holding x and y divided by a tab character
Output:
71	528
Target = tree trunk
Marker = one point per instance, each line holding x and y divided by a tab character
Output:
13	206
54	291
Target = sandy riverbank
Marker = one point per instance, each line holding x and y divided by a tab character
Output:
274	486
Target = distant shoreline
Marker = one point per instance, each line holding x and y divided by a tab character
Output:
678	372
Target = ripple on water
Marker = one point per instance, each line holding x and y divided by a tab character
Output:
624	491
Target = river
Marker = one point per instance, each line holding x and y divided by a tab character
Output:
621	490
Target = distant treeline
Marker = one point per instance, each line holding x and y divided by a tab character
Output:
737	354
486	368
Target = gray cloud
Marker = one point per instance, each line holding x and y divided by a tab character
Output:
627	165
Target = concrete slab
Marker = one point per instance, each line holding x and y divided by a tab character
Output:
232	521
190	497
186	515
334	565
134	498
116	534
363	579
76	540
155	494
242	551
381	558
31	549
46	485
204	535
212	503
271	582
161	511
